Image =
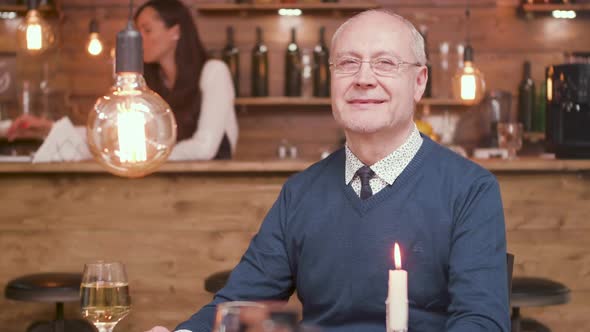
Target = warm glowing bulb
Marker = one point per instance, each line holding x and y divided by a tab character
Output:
34	35
397	257
131	131
469	84
94	44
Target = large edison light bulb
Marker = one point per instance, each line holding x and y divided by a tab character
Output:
34	34
94	45
131	131
468	83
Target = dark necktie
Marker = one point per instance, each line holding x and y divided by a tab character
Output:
365	173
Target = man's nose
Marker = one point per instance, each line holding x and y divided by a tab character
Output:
365	78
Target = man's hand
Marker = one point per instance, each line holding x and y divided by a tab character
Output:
158	329
29	126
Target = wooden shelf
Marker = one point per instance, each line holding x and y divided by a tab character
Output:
444	102
218	8
23	8
544	8
313	101
534	136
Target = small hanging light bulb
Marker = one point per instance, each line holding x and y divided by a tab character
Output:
94	45
34	34
468	82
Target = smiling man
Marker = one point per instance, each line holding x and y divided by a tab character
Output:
331	233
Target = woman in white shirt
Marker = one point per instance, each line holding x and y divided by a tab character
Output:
199	90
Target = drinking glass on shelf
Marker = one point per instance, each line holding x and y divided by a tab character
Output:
104	294
510	137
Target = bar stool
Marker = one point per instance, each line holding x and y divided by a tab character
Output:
216	281
50	287
535	292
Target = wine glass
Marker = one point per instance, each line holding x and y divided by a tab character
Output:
104	294
234	316
510	137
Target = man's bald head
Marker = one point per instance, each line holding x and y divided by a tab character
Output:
415	38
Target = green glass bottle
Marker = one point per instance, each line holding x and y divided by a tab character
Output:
259	67
526	98
321	68
293	68
231	56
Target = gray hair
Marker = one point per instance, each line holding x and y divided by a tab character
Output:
417	45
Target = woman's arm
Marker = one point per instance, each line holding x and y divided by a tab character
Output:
217	109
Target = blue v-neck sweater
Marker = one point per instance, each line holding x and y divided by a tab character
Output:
320	239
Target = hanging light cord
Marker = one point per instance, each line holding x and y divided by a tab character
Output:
467	19
130	10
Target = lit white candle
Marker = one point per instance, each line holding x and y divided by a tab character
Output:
397	296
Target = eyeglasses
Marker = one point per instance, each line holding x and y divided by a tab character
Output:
380	66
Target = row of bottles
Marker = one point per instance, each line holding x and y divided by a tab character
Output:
302	78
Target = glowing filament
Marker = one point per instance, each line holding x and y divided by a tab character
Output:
94	45
132	139
468	84
34	36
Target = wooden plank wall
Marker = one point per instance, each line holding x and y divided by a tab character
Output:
174	230
502	40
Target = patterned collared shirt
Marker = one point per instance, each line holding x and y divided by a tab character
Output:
387	169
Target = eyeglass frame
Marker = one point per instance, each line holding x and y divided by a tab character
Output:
371	62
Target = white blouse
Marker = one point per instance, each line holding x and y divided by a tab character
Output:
217	117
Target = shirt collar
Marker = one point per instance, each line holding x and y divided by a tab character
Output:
390	167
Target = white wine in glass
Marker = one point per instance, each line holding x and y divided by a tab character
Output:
104	294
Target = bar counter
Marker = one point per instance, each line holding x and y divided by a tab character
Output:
177	226
287	166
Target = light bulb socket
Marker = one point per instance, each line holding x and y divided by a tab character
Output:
33	4
129	52
93	26
468	55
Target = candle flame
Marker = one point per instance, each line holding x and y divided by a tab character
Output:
397	257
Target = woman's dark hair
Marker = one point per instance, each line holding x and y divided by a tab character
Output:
185	98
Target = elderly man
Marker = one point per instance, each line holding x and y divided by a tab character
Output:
331	232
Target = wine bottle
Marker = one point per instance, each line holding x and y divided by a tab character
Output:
259	67
293	68
526	99
428	89
321	72
231	56
540	109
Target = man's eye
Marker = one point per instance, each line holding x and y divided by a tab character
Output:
347	62
385	63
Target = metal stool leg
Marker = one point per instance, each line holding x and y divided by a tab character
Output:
515	320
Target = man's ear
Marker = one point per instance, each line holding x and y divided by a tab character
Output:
420	83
